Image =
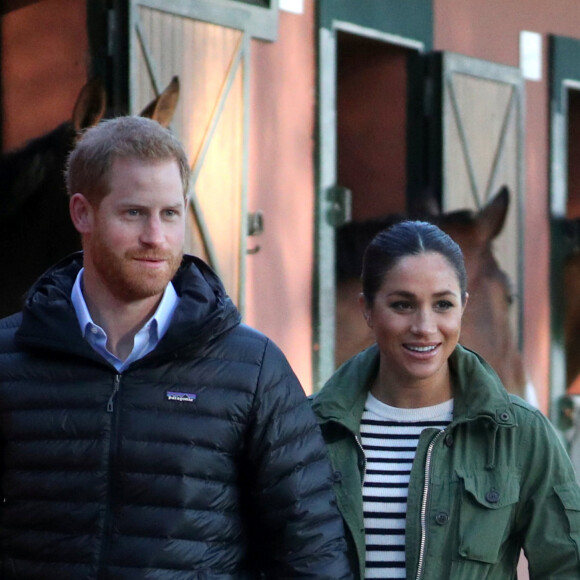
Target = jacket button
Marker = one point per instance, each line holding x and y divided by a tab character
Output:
442	518
336	476
504	416
449	440
492	496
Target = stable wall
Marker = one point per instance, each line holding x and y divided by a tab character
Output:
281	184
490	30
45	59
44	65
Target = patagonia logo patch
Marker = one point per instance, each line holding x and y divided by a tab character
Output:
180	397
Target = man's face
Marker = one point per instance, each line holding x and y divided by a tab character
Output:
135	242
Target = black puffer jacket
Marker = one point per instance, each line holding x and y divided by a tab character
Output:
201	460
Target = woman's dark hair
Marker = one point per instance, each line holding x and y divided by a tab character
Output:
408	238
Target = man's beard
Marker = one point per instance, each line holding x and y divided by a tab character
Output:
126	278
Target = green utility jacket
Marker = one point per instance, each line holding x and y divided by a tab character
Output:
496	480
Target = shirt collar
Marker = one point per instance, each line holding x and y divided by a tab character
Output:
160	320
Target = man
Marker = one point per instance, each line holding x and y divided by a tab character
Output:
146	432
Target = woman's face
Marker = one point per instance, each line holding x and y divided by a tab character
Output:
416	318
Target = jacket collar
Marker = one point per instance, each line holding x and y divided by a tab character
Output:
204	312
478	392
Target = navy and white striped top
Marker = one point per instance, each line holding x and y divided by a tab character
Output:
389	438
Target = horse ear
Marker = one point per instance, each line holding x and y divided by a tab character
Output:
90	106
491	218
163	107
425	205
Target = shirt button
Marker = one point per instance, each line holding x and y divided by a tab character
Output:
442	518
94	330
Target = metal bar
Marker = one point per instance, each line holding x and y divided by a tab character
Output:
197	213
245	172
366	32
501	142
149	61
219	107
463	139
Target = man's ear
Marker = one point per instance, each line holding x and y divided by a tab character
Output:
81	213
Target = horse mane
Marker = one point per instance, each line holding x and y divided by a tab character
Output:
34	169
353	237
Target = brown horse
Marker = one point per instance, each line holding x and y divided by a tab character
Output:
571	287
486	323
35	227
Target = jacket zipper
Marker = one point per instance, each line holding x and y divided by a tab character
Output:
359	443
424	504
111	401
105	540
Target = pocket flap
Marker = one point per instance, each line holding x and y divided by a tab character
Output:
491	489
485	513
569	495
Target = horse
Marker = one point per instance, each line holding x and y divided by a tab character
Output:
35	227
570	239
486	325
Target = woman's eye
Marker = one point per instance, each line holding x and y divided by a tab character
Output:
401	305
444	305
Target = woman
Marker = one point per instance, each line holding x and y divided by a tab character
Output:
440	473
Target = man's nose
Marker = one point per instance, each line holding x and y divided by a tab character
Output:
152	233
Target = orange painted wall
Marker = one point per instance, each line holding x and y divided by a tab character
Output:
281	184
44	65
43	69
490	30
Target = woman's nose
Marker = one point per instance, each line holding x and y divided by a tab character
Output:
424	322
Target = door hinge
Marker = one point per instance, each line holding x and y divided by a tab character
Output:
255	227
340	205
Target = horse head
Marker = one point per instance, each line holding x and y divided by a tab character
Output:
35	227
570	245
486	326
486	322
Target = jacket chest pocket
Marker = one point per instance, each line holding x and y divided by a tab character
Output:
486	512
569	497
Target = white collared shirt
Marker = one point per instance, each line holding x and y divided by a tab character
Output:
145	340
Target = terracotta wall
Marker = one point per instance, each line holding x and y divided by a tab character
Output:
371	125
43	69
44	65
281	184
490	30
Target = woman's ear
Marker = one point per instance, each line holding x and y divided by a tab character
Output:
81	213
464	303
366	311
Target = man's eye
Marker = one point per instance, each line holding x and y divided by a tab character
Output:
133	212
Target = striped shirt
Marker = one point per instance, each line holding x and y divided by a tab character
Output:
389	437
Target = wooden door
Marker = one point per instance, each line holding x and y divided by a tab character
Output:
408	26
211	61
479	148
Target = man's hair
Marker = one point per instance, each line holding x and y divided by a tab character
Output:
88	168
